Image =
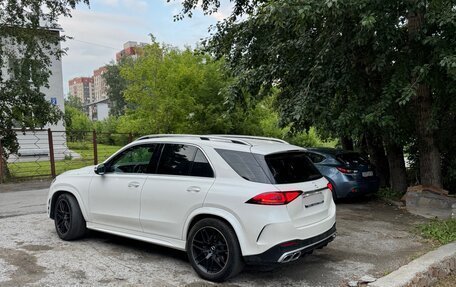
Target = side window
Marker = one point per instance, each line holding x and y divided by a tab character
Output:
176	159
201	166
244	164
315	158
133	160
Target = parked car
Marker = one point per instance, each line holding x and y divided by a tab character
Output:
225	200
350	174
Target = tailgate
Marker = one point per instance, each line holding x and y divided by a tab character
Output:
312	206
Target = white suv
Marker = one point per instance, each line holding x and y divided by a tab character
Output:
225	200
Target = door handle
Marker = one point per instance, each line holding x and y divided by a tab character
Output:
193	189
133	184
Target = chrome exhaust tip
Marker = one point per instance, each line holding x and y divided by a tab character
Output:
291	257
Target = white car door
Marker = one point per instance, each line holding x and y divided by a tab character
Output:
180	185
114	197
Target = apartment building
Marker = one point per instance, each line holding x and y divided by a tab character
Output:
100	88
93	91
130	49
81	88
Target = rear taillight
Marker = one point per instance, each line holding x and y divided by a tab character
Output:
275	197
346	170
330	186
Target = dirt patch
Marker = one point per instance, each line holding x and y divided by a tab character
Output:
37	247
28	271
448	281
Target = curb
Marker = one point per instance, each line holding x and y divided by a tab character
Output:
423	271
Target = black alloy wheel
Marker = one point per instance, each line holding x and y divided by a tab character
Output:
210	250
63	216
213	250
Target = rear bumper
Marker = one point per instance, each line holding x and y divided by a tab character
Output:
284	254
357	188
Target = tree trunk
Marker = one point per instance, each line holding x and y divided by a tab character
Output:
347	143
378	157
430	165
430	161
398	175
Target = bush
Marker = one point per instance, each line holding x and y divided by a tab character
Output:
443	231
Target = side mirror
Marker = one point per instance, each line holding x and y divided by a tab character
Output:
100	169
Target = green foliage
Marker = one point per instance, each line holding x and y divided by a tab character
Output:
76	123
347	67
310	139
74	102
388	193
180	91
107	132
443	231
116	86
28	45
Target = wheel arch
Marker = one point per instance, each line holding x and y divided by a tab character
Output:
220	214
61	191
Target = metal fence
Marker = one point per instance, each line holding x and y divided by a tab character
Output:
47	153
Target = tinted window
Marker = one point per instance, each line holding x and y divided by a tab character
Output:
291	167
315	158
176	159
352	158
245	164
133	160
201	166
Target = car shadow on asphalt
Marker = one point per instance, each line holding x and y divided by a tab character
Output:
136	245
147	248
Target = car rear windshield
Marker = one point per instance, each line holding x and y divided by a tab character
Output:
352	159
291	167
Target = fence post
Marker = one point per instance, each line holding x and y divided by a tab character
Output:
51	152
130	137
95	148
1	161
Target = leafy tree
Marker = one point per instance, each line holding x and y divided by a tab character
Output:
116	86
75	102
28	44
377	69
174	91
76	121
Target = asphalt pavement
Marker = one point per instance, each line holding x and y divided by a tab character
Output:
373	239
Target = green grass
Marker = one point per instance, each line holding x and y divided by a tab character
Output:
443	231
388	193
43	168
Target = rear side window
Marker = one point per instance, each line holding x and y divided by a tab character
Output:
291	167
176	159
352	159
315	158
201	166
244	164
179	159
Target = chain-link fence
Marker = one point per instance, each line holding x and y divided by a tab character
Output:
47	153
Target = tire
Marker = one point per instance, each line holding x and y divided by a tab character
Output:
213	250
68	220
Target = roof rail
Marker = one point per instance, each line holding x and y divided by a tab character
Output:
253	138
201	137
164	136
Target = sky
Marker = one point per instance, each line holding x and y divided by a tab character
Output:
99	31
